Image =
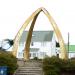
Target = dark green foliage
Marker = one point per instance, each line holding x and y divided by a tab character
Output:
51	70
56	66
35	58
7	59
50	66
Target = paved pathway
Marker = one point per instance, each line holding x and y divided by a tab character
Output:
31	67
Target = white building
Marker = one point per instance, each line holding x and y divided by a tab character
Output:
43	44
70	51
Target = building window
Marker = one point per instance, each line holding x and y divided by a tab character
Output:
43	54
43	43
32	44
30	55
34	54
58	55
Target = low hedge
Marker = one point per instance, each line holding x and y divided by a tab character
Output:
7	59
56	66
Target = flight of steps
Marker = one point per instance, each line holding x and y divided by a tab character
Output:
31	67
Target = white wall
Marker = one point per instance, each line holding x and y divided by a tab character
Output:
36	45
47	47
72	55
20	50
53	46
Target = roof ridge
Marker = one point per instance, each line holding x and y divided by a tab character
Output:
39	36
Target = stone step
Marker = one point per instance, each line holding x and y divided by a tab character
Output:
30	68
33	64
28	74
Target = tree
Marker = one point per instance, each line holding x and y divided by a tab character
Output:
7	59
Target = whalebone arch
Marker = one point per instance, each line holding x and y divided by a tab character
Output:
33	18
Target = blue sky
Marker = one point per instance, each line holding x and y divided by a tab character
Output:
13	14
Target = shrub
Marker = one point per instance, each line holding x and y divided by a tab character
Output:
50	66
51	70
35	58
56	66
52	61
7	59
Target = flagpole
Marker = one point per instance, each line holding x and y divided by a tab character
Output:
68	44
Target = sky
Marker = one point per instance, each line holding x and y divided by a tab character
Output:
13	14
